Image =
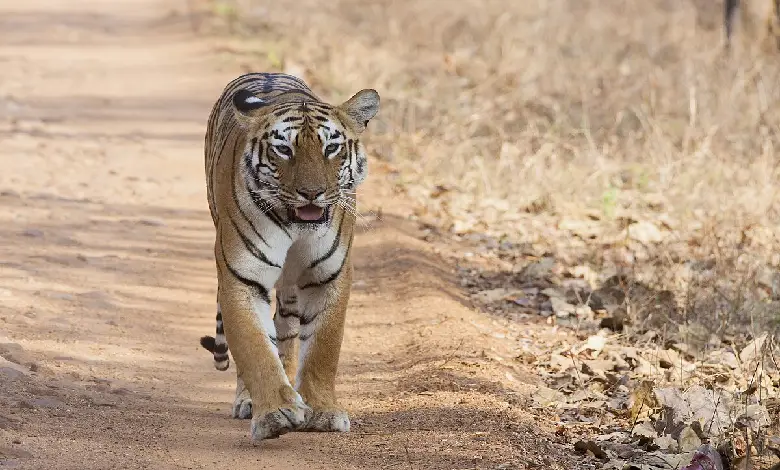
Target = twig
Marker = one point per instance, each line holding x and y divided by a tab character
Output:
452	355
636	418
408	457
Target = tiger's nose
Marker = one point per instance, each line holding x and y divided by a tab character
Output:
311	194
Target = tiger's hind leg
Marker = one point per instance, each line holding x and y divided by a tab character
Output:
242	403
217	345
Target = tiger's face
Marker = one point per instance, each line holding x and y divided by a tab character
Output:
304	156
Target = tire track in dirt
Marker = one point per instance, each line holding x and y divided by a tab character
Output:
107	278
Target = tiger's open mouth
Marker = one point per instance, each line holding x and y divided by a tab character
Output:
309	214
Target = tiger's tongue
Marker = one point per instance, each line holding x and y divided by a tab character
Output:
309	212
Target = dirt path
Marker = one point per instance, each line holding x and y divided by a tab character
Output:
107	278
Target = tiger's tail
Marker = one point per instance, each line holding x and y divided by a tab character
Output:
217	345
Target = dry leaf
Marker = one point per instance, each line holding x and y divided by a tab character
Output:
646	430
645	232
545	397
688	440
642	400
666	443
590	447
753	350
708	407
595	344
755	417
562	308
706	458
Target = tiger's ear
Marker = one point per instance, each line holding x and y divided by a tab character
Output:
247	106
361	108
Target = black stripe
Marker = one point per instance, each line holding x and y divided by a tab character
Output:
227	133
306	337
282	111
259	288
252	152
221	348
333	276
333	248
306	320
220	329
284	313
282	339
256	252
220	357
241	210
273	217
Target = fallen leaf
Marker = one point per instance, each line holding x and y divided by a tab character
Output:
595	344
645	232
668	359
688	440
705	458
642	400
710	408
538	269
755	417
544	397
645	429
562	308
585	447
753	350
666	443
598	367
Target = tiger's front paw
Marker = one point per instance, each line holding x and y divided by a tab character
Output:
273	423
326	421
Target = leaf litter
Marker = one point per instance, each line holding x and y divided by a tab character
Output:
645	386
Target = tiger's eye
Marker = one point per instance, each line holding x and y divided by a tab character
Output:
331	148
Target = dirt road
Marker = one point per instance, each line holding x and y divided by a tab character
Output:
107	278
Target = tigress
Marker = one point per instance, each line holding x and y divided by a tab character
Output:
760	22
282	168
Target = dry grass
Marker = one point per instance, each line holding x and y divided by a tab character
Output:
525	119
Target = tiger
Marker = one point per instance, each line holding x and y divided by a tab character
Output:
282	171
759	22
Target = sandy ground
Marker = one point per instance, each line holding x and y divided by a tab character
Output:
107	279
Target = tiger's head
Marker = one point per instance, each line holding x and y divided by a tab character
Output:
303	156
